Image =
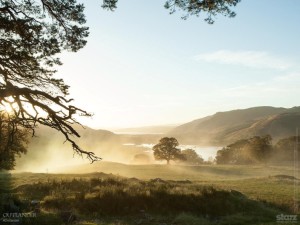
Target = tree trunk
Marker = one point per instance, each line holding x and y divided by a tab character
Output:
168	161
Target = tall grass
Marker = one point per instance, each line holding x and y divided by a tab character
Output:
115	196
100	198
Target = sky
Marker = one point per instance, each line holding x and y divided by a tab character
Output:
142	66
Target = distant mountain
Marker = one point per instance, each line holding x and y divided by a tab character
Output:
88	137
227	127
146	130
49	149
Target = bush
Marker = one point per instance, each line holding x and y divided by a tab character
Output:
188	219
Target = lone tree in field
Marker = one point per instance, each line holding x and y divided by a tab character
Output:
166	150
32	34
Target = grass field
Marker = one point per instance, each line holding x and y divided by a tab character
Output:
155	194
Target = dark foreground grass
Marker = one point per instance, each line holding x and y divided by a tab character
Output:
185	195
107	199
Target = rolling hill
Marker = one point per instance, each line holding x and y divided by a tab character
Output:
226	127
49	150
146	130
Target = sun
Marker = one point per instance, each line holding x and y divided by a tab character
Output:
6	107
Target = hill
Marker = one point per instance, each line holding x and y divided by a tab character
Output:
47	150
146	130
226	127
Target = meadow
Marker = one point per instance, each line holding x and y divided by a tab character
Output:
118	194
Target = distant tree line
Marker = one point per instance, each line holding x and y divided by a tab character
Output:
259	150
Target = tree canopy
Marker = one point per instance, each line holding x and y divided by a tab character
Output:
192	7
285	150
32	34
167	149
13	141
192	157
246	151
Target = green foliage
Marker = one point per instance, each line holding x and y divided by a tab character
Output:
13	141
260	150
192	157
166	150
285	150
248	151
192	7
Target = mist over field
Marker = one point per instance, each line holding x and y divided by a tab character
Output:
255	173
144	113
48	152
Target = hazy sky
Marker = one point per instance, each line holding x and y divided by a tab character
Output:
142	66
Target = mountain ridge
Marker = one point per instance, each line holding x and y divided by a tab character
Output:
229	126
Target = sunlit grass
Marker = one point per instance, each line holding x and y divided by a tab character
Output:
182	194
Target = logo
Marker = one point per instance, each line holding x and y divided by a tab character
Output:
286	218
15	217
